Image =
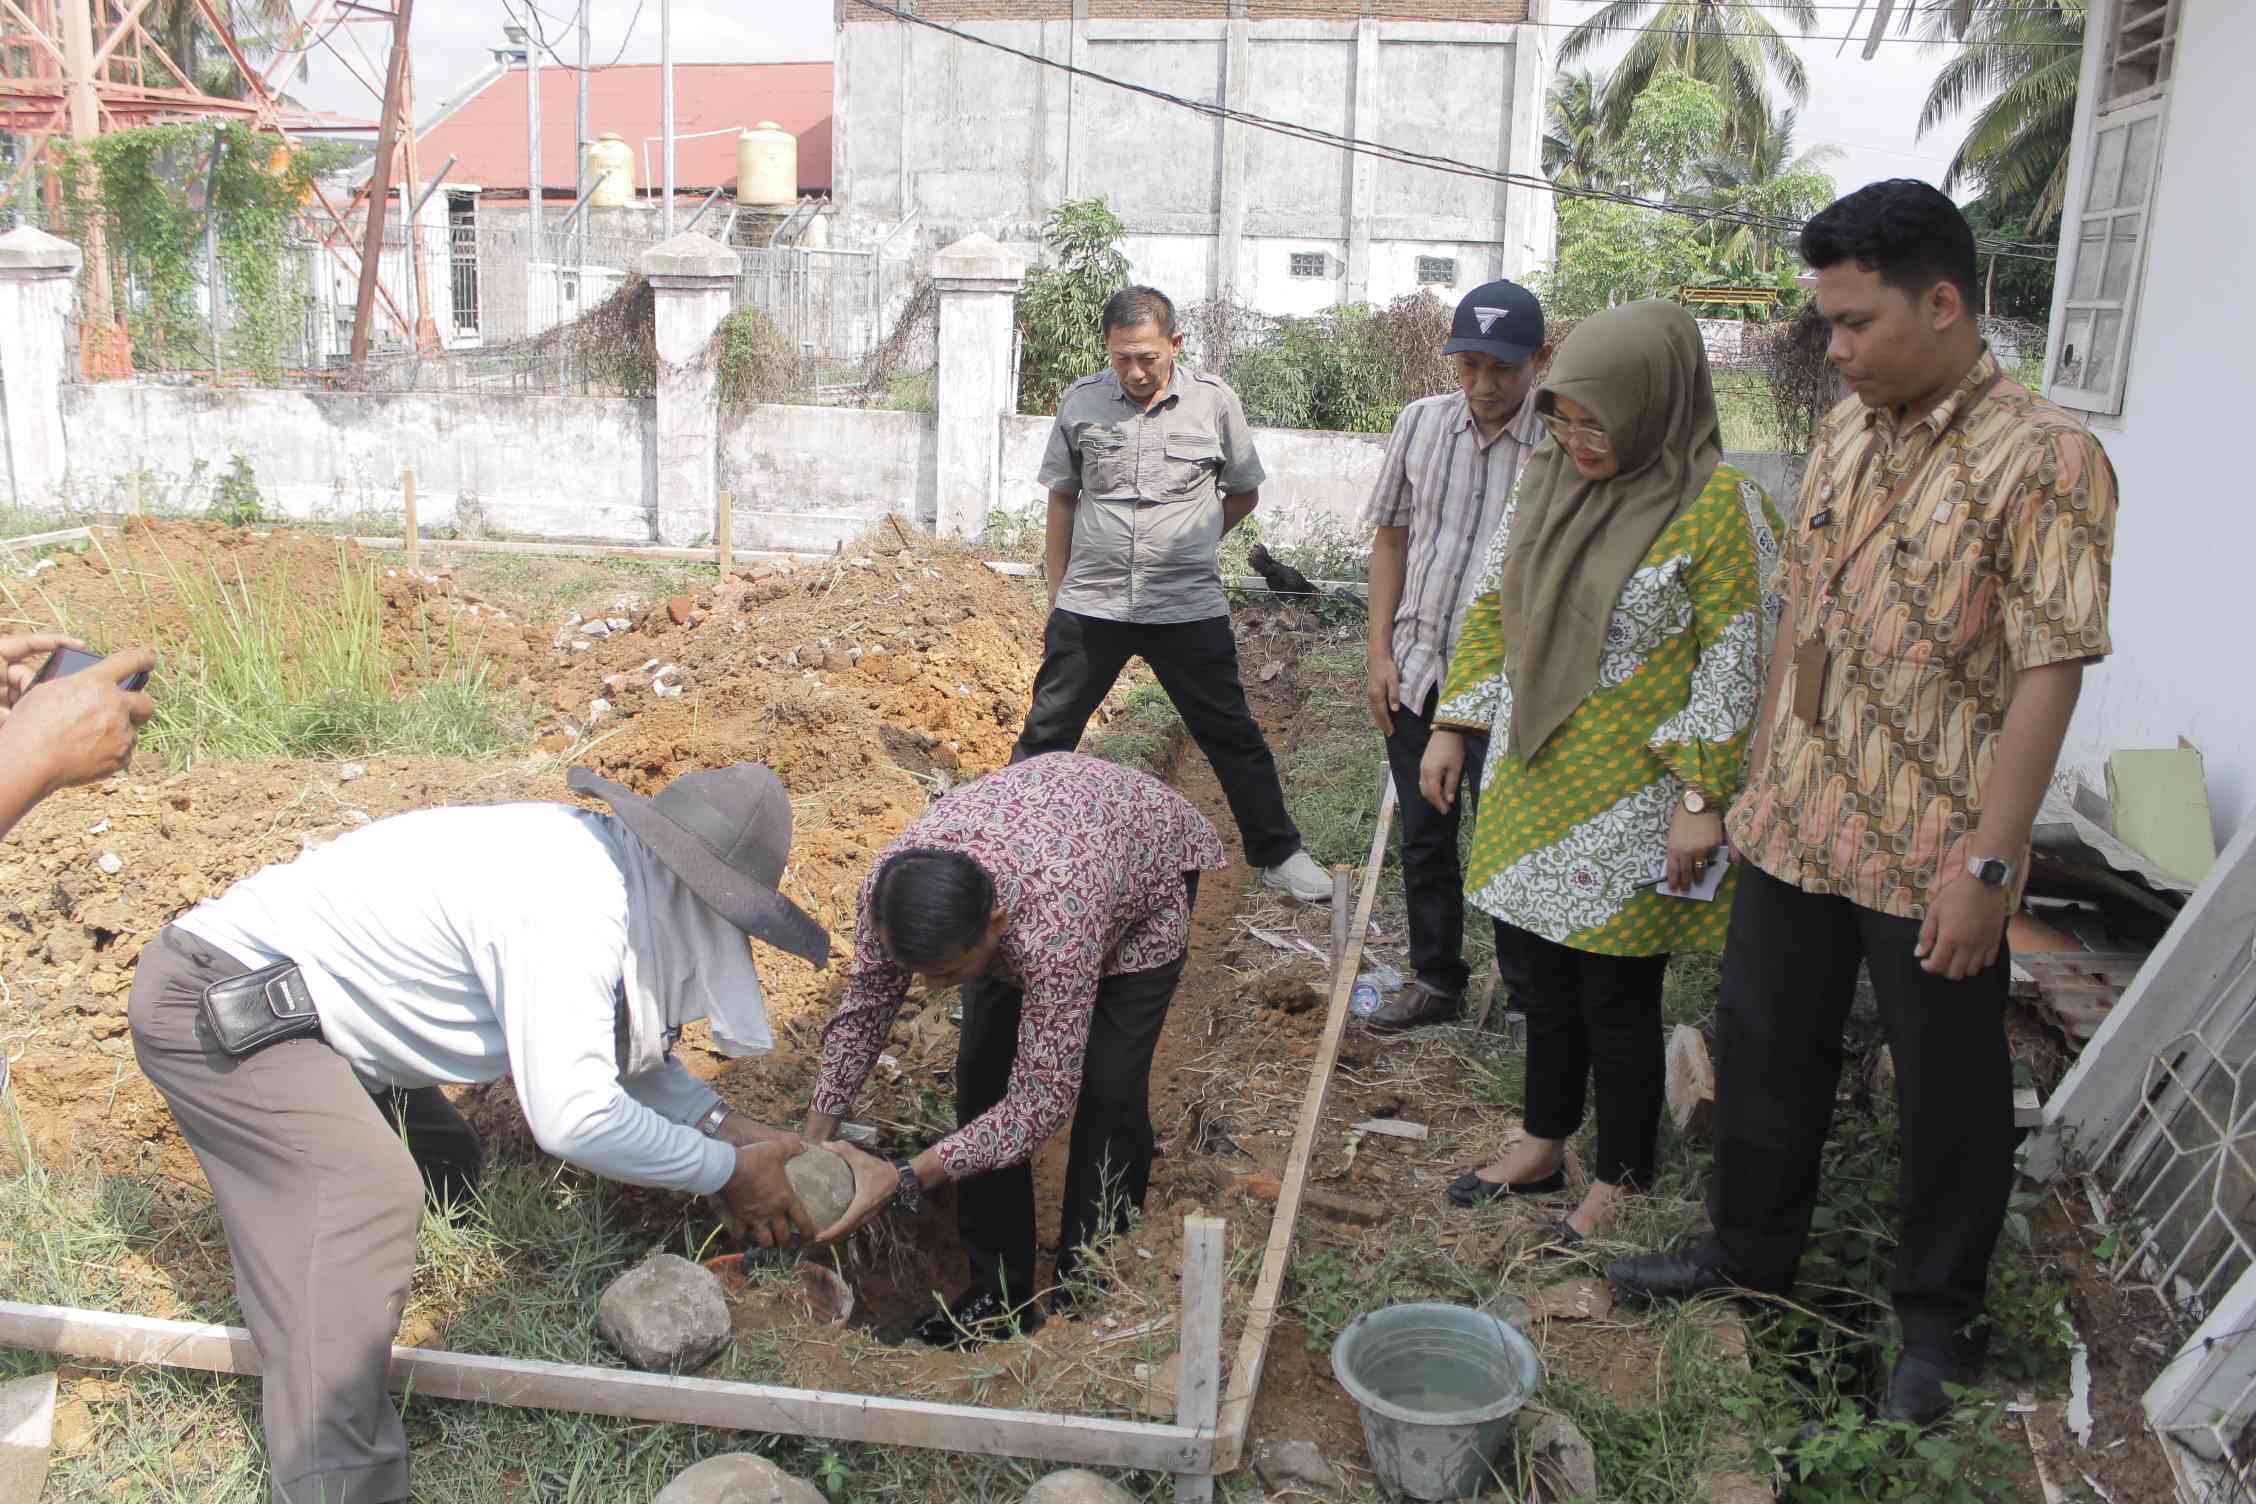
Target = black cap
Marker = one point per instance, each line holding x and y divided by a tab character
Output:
1499	319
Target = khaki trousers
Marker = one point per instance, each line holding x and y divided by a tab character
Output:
321	1201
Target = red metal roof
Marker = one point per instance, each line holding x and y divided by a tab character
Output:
487	130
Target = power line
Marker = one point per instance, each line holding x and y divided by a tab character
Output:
540	38
1404	156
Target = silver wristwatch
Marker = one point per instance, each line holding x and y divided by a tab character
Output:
1989	871
710	1123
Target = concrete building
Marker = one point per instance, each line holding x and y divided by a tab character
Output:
956	137
2147	337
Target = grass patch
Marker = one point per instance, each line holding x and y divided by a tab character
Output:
265	676
1146	736
539	587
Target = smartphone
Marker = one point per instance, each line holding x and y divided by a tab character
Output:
72	660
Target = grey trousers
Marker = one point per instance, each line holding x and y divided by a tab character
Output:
321	1200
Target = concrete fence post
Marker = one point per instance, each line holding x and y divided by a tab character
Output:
977	280
36	272
692	279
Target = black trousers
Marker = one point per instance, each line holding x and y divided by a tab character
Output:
1789	975
1108	1163
1433	879
1196	662
1594	1016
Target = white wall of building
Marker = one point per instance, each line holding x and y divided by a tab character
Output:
964	138
2180	608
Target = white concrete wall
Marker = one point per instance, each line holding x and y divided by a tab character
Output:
2187	526
566	467
968	139
1318	481
806	479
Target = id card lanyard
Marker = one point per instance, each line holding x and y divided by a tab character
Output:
1811	660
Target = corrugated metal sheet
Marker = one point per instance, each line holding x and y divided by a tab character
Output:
487	131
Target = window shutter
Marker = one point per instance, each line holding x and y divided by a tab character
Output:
2107	260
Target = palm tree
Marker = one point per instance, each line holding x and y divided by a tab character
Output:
2022	58
1574	143
1765	176
257	26
1727	44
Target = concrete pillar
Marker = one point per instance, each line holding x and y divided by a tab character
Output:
1230	215
977	279
693	279
1362	175
36	357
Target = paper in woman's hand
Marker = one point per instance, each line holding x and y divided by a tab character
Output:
1703	891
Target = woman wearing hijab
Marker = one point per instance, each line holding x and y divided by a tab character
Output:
1614	655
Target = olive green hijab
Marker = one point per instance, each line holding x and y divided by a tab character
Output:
1642	372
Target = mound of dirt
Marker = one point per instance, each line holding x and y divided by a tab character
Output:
868	684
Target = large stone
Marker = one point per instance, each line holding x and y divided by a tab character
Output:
1295	1465
665	1314
824	1181
1565	1464
1077	1486
738	1478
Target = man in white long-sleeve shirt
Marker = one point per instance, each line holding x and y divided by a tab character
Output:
553	944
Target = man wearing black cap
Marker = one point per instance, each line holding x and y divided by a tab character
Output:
304	1021
1449	470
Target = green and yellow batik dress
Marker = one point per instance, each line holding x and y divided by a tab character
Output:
1570	845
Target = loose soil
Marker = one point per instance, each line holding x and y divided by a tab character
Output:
870	683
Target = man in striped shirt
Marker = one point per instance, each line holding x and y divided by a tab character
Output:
1449	470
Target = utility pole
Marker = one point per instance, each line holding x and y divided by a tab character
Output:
533	193
411	199
580	137
380	181
666	67
85	124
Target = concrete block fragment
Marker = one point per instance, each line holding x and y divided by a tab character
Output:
666	1315
738	1478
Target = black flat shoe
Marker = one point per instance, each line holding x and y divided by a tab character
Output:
1680	1274
1916	1395
1561	1237
974	1321
1469	1189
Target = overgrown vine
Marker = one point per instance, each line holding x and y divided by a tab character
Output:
150	187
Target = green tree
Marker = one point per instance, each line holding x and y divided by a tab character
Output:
1575	153
258	27
2016	67
1672	129
2013	287
1730	45
1061	307
1765	179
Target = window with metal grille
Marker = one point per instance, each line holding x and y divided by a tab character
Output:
2106	262
1436	270
462	261
1311	264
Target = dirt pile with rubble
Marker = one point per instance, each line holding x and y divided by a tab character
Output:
868	683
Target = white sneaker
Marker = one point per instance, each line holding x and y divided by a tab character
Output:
1299	875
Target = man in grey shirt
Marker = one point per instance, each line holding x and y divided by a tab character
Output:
1147	467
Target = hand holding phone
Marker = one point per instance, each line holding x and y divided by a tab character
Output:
78	719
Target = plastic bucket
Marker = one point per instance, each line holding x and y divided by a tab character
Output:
1437	1384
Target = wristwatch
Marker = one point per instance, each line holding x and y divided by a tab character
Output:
1695	802
909	1194
710	1123
1989	871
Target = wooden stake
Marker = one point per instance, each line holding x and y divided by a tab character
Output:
1198	1384
1261	1316
407	499
724	540
1083	1440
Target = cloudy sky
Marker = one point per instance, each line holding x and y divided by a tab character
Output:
1869	109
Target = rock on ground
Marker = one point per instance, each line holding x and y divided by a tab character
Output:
27	1435
1294	1465
1565	1464
738	1478
665	1314
1077	1486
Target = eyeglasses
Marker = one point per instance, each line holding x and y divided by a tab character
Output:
1590	435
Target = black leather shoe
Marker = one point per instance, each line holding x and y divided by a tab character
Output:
1680	1274
1915	1387
1469	1189
973	1321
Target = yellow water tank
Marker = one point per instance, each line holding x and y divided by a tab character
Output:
767	165
611	161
